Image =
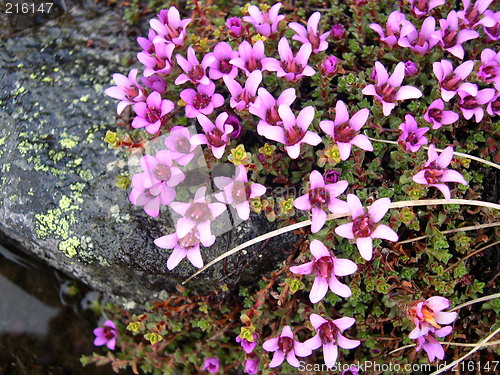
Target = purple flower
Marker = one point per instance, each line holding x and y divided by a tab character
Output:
248	346
345	130
435	173
266	107
237	191
451	80
471	15
292	68
321	197
222	65
202	100
187	246
429	314
211	365
250	58
430	343
421	8
493	107
252	365
412	136
236	124
127	90
151	114
421	42
178	142
338	32
159	60
266	24
331	176
388	90
489	70
411	69
242	98
492	32
169	26
363	227
286	347
234	25
353	369
106	335
329	66
393	28
437	116
198	213
326	269
193	70
294	131
216	135
450	37
311	34
472	100
329	336
155	83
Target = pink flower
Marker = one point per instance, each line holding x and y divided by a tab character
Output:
106	335
222	65
265	23
345	130
170	27
321	197
199	214
492	32
292	68
158	60
326	269
471	15
238	191
419	42
338	32
363	227
155	83
193	70
234	25
251	58
216	135
489	70
286	347
393	28
187	246
411	69
329	66
430	343
493	107
252	366
472	100
294	131
211	365
127	90
248	346
311	34
178	142
429	314
450	37
435	173
266	107
242	98
412	136
202	100
436	115
421	8
329	336
151	114
451	80
388	90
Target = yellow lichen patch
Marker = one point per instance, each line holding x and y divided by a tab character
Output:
52	224
68	143
69	247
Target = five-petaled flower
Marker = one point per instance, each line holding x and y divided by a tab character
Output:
435	173
266	24
216	135
187	246
286	347
321	197
127	90
243	97
411	135
202	100
429	313
211	365
311	35
437	116
451	81
266	107
151	114
170	27
106	335
178	142
388	90
345	130
326	269
194	71
363	227
329	336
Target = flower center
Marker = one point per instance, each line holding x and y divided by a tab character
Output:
344	133
241	192
225	67
201	101
153	114
285	344
293	135
451	82
109	333
436	114
450	38
214	137
327	332
323	267
433	176
318	196
196	73
253	64
189	240
469	102
386	92
199	212
182	145
362	227
162	172
272	116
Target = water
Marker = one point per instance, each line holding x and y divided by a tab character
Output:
45	322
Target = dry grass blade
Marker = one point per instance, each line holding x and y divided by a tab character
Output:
482	299
471	254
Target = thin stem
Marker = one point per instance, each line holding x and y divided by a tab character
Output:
409	203
475	349
482	299
465	344
471	254
462	229
459	154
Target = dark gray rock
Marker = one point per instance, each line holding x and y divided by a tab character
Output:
58	198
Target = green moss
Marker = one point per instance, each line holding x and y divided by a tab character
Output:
68	143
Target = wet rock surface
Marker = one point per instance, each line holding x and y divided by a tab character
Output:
58	198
